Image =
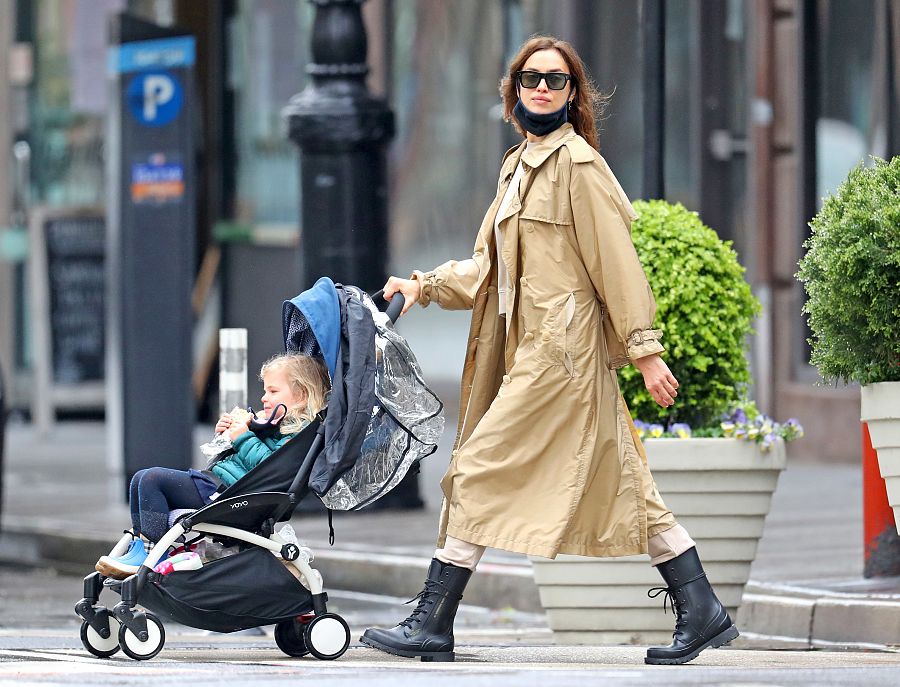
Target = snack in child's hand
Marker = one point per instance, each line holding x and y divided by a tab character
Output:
240	415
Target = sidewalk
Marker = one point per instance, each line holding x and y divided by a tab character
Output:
63	508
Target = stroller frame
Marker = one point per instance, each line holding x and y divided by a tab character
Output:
140	634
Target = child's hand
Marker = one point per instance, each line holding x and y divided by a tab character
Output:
224	423
238	428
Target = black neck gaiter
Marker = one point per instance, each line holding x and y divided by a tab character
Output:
540	124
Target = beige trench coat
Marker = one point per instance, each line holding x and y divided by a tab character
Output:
545	459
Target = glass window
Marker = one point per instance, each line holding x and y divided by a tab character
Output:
846	133
269	44
445	158
446	66
68	105
612	53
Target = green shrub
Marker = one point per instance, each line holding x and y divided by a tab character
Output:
704	308
851	272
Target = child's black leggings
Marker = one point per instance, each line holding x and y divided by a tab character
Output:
156	491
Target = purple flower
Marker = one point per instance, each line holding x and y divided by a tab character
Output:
655	431
680	429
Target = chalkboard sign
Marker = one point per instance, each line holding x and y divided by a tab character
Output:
67	277
75	257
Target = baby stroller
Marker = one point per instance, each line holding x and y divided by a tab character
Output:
380	421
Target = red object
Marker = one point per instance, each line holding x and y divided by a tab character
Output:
878	515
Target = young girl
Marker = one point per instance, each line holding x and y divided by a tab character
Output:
298	382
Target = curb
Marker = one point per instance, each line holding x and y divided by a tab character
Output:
497	585
809	617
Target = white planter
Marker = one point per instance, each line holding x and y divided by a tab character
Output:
720	490
881	411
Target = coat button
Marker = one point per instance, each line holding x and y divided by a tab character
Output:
492	289
530	228
506	379
545	337
528	336
523	281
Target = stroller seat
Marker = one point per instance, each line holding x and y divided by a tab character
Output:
263	493
273	476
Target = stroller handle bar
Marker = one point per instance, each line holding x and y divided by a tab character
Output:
395	305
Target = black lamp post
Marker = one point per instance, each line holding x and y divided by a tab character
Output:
342	131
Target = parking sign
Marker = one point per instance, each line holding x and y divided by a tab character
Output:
154	98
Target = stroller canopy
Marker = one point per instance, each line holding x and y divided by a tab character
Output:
382	418
312	323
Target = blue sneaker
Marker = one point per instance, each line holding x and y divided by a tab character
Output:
125	565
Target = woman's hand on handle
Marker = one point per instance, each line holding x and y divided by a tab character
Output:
658	379
411	289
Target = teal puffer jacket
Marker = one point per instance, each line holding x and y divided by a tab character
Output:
250	451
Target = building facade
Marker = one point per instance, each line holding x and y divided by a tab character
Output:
768	104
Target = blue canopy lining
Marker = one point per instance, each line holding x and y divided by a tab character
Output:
312	323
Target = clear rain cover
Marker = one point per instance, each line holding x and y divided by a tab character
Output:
406	424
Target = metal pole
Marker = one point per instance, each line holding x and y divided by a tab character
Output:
7	270
653	75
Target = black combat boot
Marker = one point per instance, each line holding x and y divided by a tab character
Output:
428	631
701	620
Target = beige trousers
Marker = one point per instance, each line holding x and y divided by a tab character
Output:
662	547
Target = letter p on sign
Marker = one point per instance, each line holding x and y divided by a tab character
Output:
154	98
158	90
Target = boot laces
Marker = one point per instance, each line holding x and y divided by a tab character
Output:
670	600
426	601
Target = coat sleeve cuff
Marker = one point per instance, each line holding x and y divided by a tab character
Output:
644	342
428	281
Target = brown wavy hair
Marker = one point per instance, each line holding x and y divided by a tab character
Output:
588	102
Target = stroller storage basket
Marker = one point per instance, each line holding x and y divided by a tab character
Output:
248	589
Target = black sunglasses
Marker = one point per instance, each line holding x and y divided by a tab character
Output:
556	81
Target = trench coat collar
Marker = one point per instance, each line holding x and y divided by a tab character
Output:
537	154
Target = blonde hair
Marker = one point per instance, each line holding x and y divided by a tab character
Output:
588	103
307	376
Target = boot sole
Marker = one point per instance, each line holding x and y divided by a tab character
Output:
720	639
426	656
115	573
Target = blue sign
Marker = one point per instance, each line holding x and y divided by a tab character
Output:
154	98
163	53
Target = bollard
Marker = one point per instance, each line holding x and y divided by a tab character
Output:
881	544
232	369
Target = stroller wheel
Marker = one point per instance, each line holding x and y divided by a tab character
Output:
291	638
142	651
327	636
97	645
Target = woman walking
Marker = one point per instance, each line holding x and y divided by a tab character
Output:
546	459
